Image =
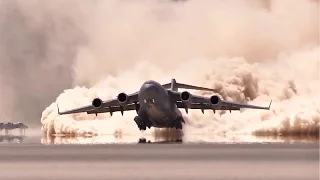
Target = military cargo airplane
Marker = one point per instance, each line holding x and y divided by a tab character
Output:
158	105
10	126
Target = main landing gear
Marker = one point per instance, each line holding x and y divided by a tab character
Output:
178	123
142	125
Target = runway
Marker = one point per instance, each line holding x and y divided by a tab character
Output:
298	161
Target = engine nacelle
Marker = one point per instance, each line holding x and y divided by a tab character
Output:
185	96
215	100
122	98
97	103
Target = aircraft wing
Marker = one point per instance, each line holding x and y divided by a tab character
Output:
242	105
129	102
111	109
226	105
212	103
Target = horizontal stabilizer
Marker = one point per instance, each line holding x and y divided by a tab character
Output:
186	86
174	86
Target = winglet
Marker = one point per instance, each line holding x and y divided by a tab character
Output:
270	104
58	109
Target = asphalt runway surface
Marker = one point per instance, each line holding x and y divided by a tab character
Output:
32	161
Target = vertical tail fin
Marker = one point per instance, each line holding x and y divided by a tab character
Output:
174	86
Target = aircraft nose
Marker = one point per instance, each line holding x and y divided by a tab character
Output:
148	91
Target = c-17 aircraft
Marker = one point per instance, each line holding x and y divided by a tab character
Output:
158	105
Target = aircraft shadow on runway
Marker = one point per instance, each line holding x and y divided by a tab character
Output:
158	136
145	141
105	140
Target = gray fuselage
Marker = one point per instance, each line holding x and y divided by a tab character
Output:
157	105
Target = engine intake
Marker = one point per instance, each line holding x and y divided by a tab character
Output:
185	96
97	102
215	100
122	98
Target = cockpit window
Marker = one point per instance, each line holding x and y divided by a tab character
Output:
148	82
149	101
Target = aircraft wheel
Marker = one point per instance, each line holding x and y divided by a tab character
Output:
178	125
142	127
142	140
180	119
149	125
142	124
137	120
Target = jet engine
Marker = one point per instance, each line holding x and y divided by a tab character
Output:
215	100
97	102
122	98
185	96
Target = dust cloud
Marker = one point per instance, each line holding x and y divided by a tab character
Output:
38	42
249	50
